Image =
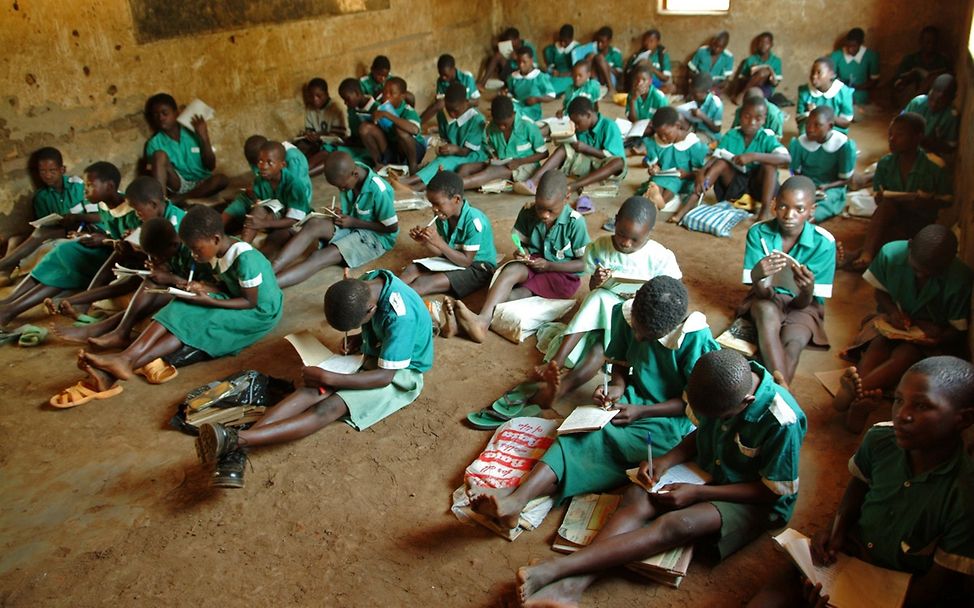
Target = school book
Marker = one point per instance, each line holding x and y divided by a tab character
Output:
910	334
741	336
685	472
307	218
438	264
315	354
237	415
831	380
194	108
562	129
506	49
633	129
122	271
172	291
498	186
849	582
607	189
51	219
586	418
271	204
582	51
621	283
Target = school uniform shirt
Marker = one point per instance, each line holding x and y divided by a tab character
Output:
526	140
613	57
400	333
774	119
356	116
944	299
374	203
825	163
590	90
466	131
713	108
856	70
908	521
184	154
533	84
734	143
838	97
406	112
473	232
647	105
370	87
293	191
649	261
927	175
604	136
815	248
689	154
942	125
70	199
558	58
464	78
324	120
720	69
564	241
760	443
659	59
512	60
754	61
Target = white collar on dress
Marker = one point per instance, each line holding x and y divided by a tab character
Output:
463	118
695	321
121	210
829	94
223	264
532	74
564	50
857	57
831	145
687	142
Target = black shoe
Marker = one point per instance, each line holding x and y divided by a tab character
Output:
229	472
214	441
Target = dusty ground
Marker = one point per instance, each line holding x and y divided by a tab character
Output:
105	504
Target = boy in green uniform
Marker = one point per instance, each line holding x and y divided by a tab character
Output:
182	160
789	264
919	283
596	155
397	341
449	74
856	65
553	238
653	54
394	137
748	438
775	117
607	61
714	59
707	111
826	156
761	69
463	235
514	144
908	504
373	83
746	160
583	85
940	133
917	70
674	156
501	66
656	345
644	99
359	109
558	59
529	86
363	229
824	89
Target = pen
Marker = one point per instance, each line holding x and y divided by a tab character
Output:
605	383
649	454
192	270
517	243
432	221
345	343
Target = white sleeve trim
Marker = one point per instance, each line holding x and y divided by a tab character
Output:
384	364
870	278
390	221
254	282
856	472
847	116
822	290
746	276
846	175
782	488
470	247
295	214
471	146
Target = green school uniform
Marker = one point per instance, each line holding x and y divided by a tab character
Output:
374	203
937	61
613	57
184	153
720	69
774	119
70	199
762	442
910	521
647	105
825	163
755	60
927	175
564	241
659	369
370	87
406	112
222	331
856	70
944	299
733	143
559	59
815	248
534	84
590	90
838	97
512	60
687	155
472	232
466	131
942	125
357	116
400	332
526	140
293	192
464	78
659	58
713	108
605	136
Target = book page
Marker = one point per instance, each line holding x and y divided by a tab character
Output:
831	380
586	515
862	585
685	472
309	348
48	220
912	333
624	125
134	237
586	418
638	128
438	264
343	364
193	108
506	48
122	270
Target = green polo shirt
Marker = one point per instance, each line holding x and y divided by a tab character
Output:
466	131
526	140
590	90
647	105
659	58
613	57
815	248
184	153
942	125
856	70
356	116
464	78
69	199
534	84
689	154
294	192
719	69
374	203
406	112
755	60
472	232
565	240
713	108
400	332
605	136
370	87
774	119
927	175
734	143
762	442
944	298
838	97
910	521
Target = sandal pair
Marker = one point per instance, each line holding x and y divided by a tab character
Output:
513	404
81	393
25	335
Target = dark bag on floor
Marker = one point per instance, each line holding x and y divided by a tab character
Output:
248	387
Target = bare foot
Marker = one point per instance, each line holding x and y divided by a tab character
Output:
116	365
98	379
75	335
862	262
861	408
109	341
496	504
550	389
564	593
655	195
68	310
532	579
779	379
52	307
401	189
472	324
449	328
850	389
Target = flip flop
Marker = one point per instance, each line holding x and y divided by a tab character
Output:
31	335
157	371
8	337
584	205
513	402
85	319
609	226
80	394
489	419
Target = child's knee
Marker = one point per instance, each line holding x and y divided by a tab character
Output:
616	165
329	408
765	312
678	527
368	130
159	158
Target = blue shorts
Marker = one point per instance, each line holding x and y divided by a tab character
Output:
357	247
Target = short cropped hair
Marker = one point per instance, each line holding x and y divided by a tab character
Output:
553	186
566	31
349	85
639	210
723	35
200	223
144	189
826	61
447	182
719	382
48	153
702	81
381	62
318	83
455	93
156	236
347	304
825	111
524	50
398	83
934	247
768	35
446	61
798	183
274	147
338	165
579	106
915	122
252	148
856	35
660	305
160	99
951	376
104	171
667	115
510	34
751	102
501	107
604	32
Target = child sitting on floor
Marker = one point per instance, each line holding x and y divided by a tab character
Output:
373	83
182	160
394	137
761	69
583	85
940	133
908	505
397	340
856	66
447	75
463	235
714	59
644	99
218	320
707	115
514	144
656	345
558	58
607	60
553	238
364	228
359	108
917	70
789	264
920	284
746	161
824	89
529	86
322	119
774	119
500	66
675	157
828	158
748	438
652	54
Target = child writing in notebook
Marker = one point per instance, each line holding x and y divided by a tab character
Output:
761	69
394	135
908	504
529	86
856	65
462	234
707	111
824	89
397	341
449	74
942	123
551	240
789	264
714	59
919	284
748	437
656	344
674	156
558	58
653	54
826	156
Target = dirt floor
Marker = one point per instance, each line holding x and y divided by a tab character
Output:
106	504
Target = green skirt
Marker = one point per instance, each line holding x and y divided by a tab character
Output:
448	163
218	331
70	265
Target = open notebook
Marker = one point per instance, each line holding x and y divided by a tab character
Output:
315	354
586	418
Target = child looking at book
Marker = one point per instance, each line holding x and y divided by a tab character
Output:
583	85
323	120
373	83
707	111
761	69
856	65
449	74
502	62
942	123
529	86
748	437
551	240
826	156
824	89
913	467
359	108
397	341
775	118
713	58
674	156
656	345
789	264
918	284
462	234
364	228
653	54
394	137
558	58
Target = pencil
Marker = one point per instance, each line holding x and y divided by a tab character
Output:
430	223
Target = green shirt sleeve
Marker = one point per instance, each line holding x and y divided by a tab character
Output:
847	160
579	237
779	455
248	269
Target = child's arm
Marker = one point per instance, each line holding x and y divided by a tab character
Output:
514	163
207	156
700	115
543	265
828	543
267	222
203	297
684	451
432	239
617	386
775	159
629	413
373	378
406	125
347	221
